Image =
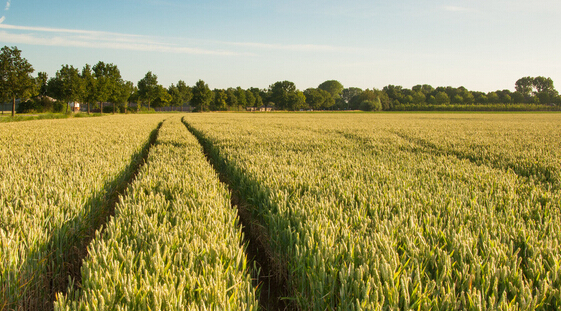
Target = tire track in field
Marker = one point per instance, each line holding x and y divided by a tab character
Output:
543	174
269	275
75	253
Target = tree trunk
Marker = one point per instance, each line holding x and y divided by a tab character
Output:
14	107
101	106
88	107
113	108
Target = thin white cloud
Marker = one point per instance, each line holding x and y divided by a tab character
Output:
47	36
95	39
291	47
451	8
8	5
2	19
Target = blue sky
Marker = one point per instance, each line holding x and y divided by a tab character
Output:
484	45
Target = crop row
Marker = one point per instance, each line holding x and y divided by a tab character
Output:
365	219
56	180
174	243
529	145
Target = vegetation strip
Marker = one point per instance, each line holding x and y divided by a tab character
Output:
380	224
270	275
174	243
77	253
51	199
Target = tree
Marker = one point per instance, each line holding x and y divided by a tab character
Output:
333	87
493	98
163	98
219	102
148	88
68	85
544	90
202	96
185	93
285	95
250	98
442	98
231	98
41	83
89	83
258	94
524	86
372	96
180	94
318	98
419	97
240	94
394	92
128	91
108	83
122	94
371	105
296	100
15	75
348	94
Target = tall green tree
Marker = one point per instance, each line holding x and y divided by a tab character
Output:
442	98
318	98
15	75
333	87
219	102
347	95
108	83
250	98
524	86
89	83
285	96
68	85
180	93
148	88
122	95
240	94
202	96
544	90
257	93
163	98
41	83
231	98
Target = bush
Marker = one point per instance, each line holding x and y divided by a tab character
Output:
370	105
58	106
27	106
37	104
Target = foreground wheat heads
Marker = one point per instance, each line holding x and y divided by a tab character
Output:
369	214
174	243
55	179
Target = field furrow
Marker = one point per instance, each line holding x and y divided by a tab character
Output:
57	178
174	243
376	223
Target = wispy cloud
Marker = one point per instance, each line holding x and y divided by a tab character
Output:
95	39
451	8
47	36
291	47
2	19
8	5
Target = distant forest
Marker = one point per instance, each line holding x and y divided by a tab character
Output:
101	87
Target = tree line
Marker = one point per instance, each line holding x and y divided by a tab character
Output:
102	83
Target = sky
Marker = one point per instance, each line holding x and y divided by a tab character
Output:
483	45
